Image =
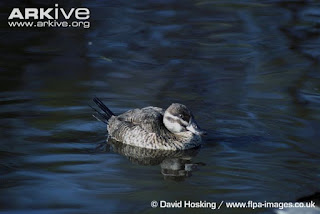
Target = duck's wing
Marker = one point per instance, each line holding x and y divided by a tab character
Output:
149	118
142	128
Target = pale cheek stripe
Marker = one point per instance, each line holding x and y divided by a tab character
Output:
175	118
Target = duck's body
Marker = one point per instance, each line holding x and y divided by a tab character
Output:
145	128
154	128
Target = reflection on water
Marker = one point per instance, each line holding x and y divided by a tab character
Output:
249	70
175	165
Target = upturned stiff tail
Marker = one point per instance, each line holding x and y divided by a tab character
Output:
102	116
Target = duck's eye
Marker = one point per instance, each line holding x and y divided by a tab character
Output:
180	115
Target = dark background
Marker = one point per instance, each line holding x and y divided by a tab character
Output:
249	71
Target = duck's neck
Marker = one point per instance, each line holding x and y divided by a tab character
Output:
184	136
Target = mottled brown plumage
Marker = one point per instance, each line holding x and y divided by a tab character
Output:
154	128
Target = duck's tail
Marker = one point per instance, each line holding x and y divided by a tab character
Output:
102	116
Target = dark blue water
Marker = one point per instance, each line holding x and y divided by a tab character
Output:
249	71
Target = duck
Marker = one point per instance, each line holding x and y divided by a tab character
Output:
152	127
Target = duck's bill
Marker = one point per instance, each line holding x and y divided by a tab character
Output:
194	128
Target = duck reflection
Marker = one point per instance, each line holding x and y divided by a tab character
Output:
175	165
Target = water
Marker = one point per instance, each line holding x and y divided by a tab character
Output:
249	71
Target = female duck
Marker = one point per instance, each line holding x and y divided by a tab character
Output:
153	128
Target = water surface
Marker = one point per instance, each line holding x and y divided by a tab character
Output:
249	71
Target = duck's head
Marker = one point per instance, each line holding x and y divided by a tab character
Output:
178	118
